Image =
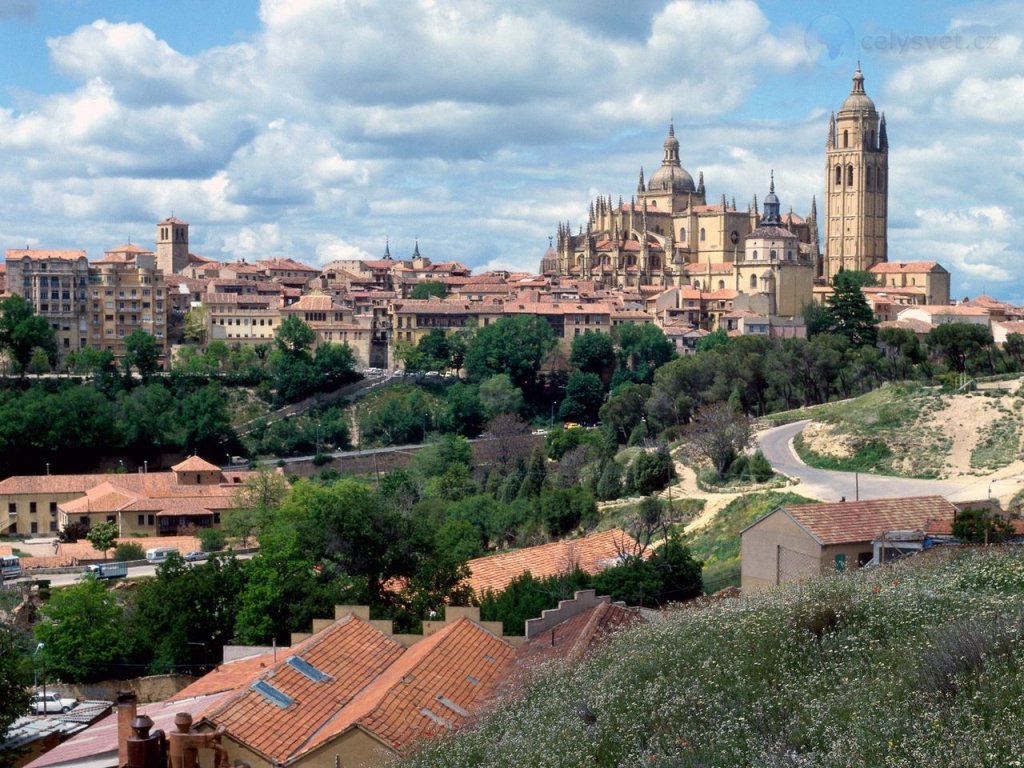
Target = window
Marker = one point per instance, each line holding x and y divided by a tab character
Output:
867	178
753	255
682	233
84	520
150	519
840	563
839	176
702	234
53	525
849	175
846	139
141	520
753	281
35	527
31	507
773	255
53	507
721	285
12	507
111	519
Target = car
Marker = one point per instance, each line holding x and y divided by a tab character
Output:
52	701
196	556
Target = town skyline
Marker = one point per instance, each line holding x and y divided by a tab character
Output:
115	118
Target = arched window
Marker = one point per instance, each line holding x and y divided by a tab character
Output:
721	285
696	284
839	176
702	234
753	281
867	178
773	255
682	233
849	175
913	281
846	139
754	255
789	255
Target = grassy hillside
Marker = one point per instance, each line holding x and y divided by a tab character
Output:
917	664
718	543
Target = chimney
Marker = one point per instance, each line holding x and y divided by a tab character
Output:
127	706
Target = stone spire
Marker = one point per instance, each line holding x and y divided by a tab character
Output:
387	250
640	185
416	250
831	143
771	207
700	183
883	136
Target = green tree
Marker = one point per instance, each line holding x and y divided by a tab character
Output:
102	537
670	574
961	344
593	352
82	629
194	329
626	408
849	313
426	289
206	422
514	345
294	337
15	678
650	471
22	331
643	348
211	539
185	616
584	395
981	526
335	365
498	395
129	550
142	353
526	597
255	504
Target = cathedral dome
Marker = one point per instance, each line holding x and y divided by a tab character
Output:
671	176
858	100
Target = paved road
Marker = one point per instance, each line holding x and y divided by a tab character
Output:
777	445
67	579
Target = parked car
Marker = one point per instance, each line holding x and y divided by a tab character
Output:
51	701
194	557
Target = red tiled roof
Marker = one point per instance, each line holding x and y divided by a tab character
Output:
444	674
350	651
859	521
591	553
230	675
195	464
906	266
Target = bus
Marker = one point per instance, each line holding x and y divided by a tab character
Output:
10	567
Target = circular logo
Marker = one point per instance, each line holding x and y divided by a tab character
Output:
830	41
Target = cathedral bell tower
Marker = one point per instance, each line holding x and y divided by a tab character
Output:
856	184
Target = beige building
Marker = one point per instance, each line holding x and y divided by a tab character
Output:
800	541
927	281
55	283
126	293
333	323
195	492
856	184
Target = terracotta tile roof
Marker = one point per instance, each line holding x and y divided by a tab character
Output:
917	326
945	309
351	652
432	688
230	675
195	464
104	497
858	521
888	267
591	553
288	264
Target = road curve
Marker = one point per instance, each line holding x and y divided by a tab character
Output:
828	485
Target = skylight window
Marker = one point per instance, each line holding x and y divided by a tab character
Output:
281	699
307	669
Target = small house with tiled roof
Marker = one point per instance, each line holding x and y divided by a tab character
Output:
799	541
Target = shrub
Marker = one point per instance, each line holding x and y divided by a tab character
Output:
211	539
129	550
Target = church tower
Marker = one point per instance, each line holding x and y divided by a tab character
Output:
171	245
856	184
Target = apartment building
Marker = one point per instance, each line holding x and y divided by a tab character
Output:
126	293
55	283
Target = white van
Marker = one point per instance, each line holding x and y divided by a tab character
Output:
159	554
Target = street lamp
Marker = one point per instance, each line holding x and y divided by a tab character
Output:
318	438
35	670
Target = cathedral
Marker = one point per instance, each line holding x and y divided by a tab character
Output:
668	234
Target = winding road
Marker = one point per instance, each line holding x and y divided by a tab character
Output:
828	485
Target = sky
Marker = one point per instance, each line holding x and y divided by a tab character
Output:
320	129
